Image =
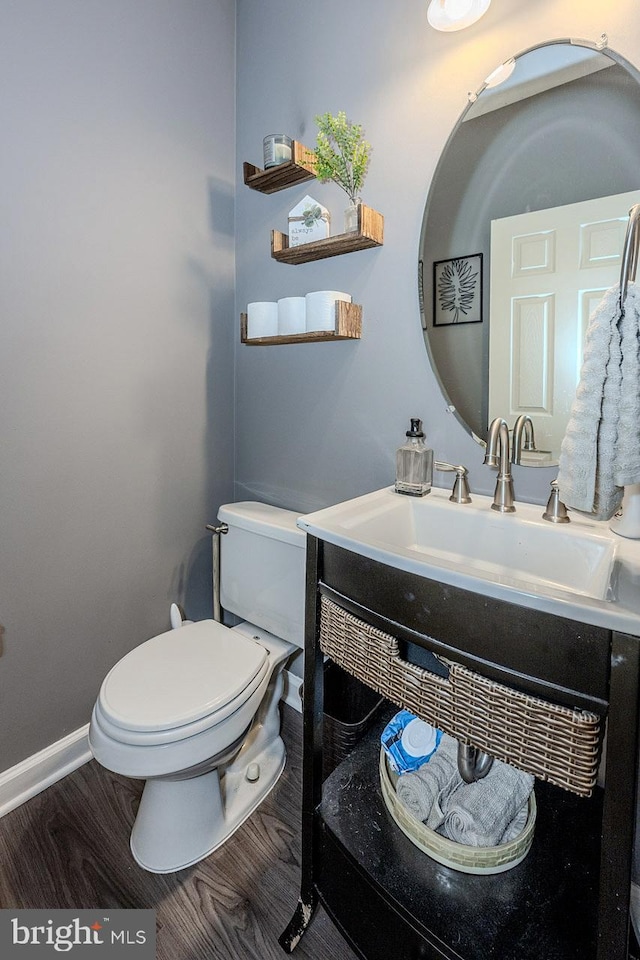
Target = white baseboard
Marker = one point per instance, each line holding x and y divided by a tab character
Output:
33	775
291	694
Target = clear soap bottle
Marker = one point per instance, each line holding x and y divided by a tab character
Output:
414	463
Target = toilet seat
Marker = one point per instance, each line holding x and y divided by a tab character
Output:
179	683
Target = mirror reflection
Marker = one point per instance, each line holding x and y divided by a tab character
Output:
523	232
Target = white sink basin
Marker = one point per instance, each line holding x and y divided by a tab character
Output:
433	536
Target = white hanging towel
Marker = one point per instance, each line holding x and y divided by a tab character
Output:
600	452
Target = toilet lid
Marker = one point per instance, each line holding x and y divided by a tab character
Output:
181	676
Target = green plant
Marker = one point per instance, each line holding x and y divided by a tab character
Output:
342	155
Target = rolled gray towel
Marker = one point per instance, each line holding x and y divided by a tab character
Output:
479	814
436	818
418	789
517	825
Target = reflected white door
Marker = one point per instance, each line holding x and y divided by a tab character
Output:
549	270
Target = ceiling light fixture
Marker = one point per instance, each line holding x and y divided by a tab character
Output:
455	14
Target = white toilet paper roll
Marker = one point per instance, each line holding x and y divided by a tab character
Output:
291	315
321	308
262	319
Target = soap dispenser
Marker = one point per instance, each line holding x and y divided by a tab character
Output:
414	463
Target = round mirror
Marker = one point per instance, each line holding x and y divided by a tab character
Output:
523	232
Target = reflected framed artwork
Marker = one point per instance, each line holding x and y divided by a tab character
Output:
457	291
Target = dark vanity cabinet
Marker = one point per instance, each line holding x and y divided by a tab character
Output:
569	898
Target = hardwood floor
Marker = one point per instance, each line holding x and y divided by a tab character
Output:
69	847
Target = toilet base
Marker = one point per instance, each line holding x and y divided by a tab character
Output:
180	822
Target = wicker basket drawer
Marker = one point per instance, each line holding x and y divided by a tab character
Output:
551	742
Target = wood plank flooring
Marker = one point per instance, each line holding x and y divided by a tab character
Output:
69	848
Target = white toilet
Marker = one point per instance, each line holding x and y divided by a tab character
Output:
194	711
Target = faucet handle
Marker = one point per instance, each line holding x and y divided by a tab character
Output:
556	511
460	492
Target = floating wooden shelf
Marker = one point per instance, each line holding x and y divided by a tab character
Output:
370	233
348	327
301	167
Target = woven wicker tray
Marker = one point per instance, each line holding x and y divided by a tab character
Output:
551	742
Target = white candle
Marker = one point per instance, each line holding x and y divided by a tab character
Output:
276	149
282	152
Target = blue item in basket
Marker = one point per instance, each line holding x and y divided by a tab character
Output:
409	742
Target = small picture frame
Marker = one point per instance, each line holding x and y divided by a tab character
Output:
457	290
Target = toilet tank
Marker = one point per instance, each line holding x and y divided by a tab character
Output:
262	568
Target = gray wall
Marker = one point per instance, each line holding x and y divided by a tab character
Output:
320	423
116	342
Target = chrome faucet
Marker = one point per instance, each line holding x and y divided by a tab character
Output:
499	440
523	428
